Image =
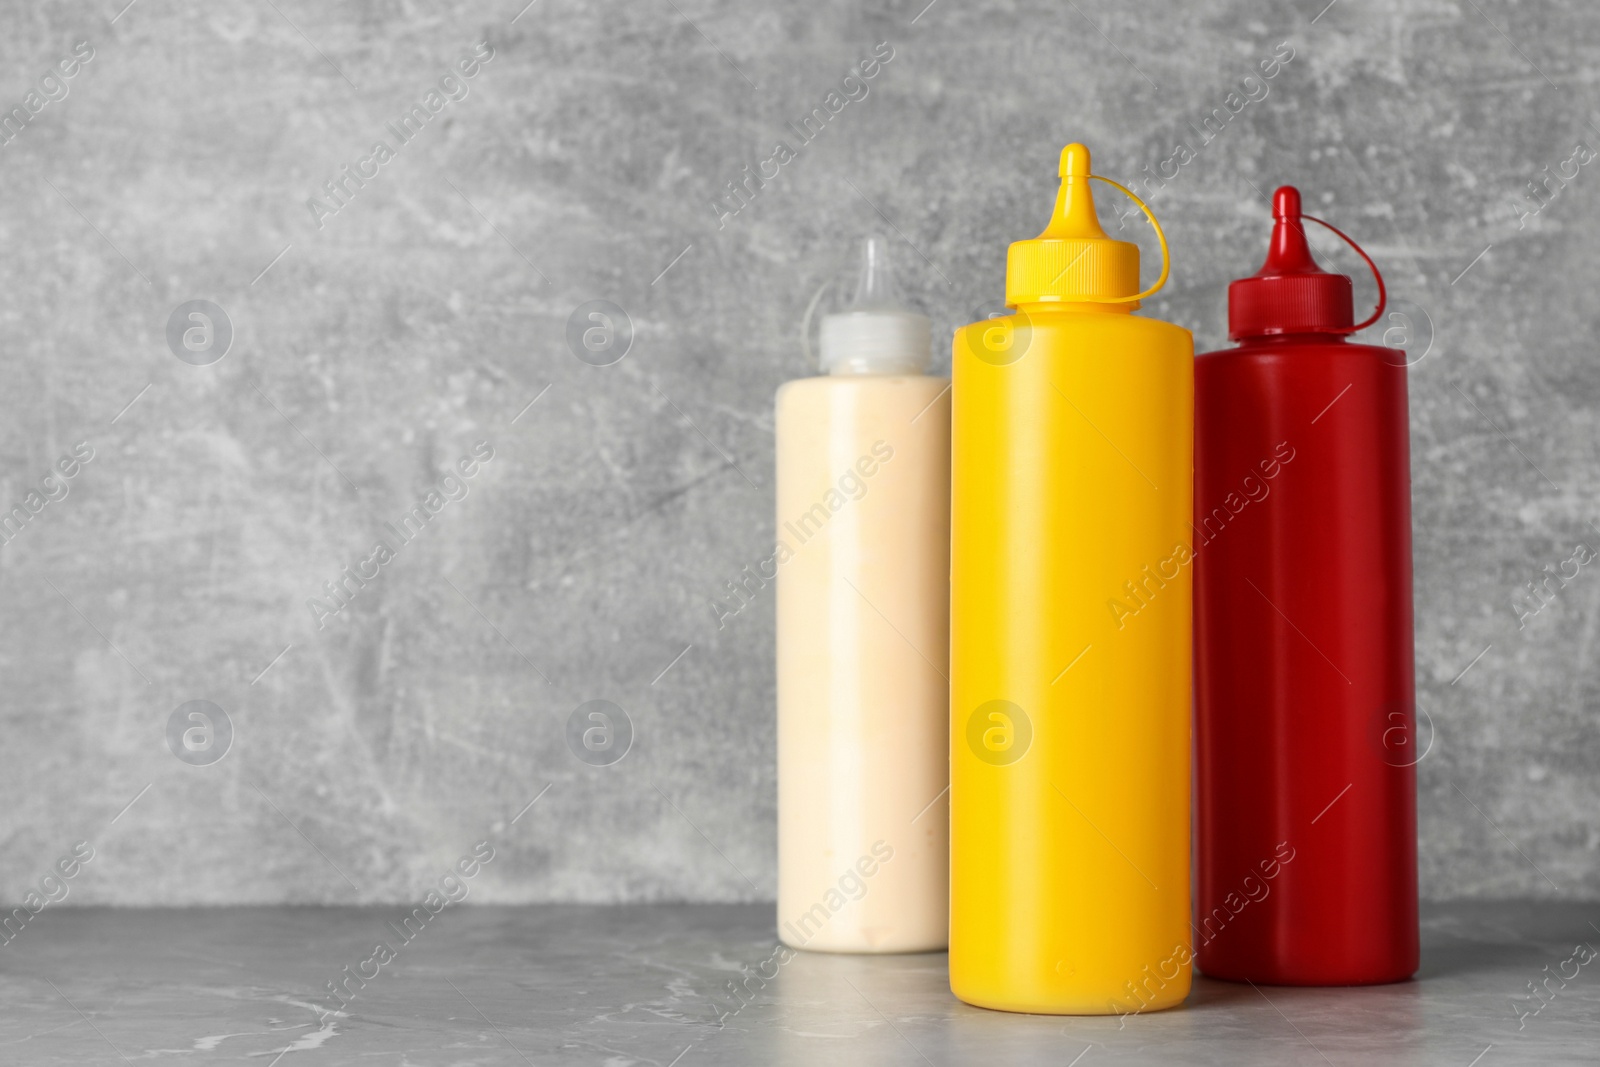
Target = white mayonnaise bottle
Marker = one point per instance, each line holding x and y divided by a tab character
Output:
863	605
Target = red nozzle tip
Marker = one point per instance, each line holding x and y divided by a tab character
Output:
1286	203
1288	253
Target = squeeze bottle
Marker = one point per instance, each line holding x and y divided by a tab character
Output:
863	590
1304	698
1072	466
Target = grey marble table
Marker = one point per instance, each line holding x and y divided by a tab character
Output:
650	985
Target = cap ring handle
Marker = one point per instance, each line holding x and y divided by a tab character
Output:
1166	256
1383	294
813	359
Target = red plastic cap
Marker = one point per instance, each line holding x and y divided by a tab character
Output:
1290	293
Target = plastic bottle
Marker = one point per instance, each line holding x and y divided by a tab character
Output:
1304	694
1070	639
863	587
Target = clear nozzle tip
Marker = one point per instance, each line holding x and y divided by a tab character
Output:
877	289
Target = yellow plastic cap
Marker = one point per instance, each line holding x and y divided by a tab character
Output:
1073	259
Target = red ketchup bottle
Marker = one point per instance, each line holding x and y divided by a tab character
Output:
1304	696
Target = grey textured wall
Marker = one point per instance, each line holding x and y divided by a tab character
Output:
376	341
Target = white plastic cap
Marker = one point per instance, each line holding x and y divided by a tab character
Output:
877	333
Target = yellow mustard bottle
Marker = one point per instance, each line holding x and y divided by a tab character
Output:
1072	474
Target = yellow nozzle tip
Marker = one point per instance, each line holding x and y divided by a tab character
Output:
1074	161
